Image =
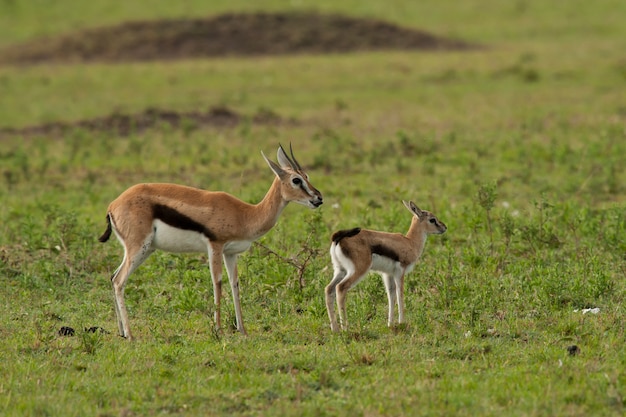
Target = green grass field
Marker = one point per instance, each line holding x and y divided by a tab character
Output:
519	147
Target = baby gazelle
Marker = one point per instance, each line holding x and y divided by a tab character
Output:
356	251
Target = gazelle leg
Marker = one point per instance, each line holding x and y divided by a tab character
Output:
233	277
118	280
350	280
390	287
215	265
330	293
341	292
399	280
118	313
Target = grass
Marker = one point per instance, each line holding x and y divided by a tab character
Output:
518	148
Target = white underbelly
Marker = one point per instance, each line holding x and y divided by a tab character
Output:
237	246
384	264
172	239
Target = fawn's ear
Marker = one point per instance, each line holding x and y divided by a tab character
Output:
413	208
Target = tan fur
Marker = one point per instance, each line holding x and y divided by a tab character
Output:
391	254
229	217
229	226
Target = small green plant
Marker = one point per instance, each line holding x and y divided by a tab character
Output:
309	248
91	341
487	194
539	230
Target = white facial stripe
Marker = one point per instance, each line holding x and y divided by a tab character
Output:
307	188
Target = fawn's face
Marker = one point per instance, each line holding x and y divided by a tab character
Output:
433	225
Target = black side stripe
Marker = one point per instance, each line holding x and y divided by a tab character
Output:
176	219
386	252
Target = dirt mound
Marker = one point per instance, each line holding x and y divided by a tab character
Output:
226	35
125	124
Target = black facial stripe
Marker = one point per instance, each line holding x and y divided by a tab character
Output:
310	193
385	251
304	187
314	192
178	220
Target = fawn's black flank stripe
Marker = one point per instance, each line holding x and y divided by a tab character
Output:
337	236
385	251
176	219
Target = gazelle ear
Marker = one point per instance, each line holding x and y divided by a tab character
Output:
413	208
283	159
274	166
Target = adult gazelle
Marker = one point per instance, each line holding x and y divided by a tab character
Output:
177	218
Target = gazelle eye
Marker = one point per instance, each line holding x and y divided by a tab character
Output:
296	181
433	221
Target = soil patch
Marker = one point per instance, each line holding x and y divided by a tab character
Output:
226	35
126	124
